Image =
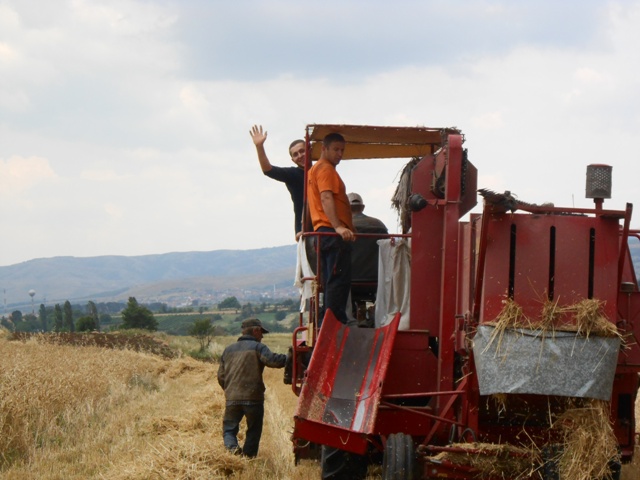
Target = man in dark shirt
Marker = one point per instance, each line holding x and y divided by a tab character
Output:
364	259
240	375
292	177
364	256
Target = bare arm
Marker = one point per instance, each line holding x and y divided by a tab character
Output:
259	137
329	207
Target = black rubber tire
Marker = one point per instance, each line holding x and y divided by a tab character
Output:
340	465
399	458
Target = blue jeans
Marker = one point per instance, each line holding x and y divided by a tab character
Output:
254	414
336	274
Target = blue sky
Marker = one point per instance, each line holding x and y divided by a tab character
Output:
124	124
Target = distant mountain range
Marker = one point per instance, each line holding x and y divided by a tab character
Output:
177	279
173	278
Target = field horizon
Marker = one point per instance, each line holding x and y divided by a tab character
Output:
83	412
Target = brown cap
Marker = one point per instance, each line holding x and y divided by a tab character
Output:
253	322
355	199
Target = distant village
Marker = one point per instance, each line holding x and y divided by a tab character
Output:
162	302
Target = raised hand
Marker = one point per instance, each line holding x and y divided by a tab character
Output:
257	135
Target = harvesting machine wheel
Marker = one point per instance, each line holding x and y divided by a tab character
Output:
399	458
340	465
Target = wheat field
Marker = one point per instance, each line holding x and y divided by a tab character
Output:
84	412
89	413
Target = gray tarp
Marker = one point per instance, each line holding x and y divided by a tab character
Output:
560	363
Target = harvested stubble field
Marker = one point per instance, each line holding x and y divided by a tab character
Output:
85	412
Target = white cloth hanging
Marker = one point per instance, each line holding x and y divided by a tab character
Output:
303	270
394	282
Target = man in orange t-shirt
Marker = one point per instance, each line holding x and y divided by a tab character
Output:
331	213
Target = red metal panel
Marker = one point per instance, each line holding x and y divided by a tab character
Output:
426	253
629	311
628	270
572	259
607	255
551	252
496	270
412	364
469	197
531	280
340	396
393	420
449	269
466	266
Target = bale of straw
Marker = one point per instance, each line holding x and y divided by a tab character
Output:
495	460
400	198
510	317
588	319
588	442
550	314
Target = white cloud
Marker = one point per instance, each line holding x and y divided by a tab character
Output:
193	99
113	211
489	120
588	75
7	54
14	100
18	174
124	124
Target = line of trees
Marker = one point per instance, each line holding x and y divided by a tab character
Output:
67	317
76	318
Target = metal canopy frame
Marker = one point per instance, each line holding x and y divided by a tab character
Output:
369	142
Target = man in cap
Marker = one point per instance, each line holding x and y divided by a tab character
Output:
292	177
364	258
364	223
240	375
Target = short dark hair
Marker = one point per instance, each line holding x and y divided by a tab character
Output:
331	138
295	142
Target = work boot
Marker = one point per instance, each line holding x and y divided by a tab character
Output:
235	450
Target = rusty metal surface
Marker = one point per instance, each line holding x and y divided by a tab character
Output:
340	397
368	141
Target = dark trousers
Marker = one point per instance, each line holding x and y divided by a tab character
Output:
336	274
254	415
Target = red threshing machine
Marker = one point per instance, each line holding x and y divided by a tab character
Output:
439	380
